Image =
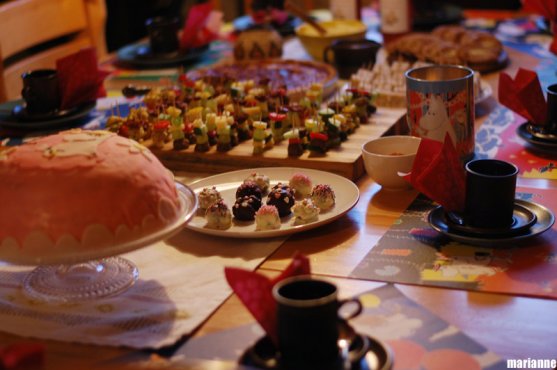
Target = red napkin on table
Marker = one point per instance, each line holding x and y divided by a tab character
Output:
80	78
201	26
438	174
547	9
523	95
255	291
19	355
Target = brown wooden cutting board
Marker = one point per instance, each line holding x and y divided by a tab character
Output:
345	160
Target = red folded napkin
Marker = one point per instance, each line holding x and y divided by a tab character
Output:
201	26
523	95
19	355
80	78
255	291
547	9
438	174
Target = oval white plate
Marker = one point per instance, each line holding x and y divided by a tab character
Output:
346	192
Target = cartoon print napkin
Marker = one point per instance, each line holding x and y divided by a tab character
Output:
80	79
523	95
438	174
255	291
201	26
547	9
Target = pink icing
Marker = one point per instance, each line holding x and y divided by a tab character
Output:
267	210
64	183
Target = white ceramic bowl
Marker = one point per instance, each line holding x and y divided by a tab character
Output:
386	156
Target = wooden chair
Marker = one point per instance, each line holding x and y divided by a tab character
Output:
35	33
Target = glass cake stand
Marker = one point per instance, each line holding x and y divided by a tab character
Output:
87	275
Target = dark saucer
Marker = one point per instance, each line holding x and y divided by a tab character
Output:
13	115
544	220
141	56
365	353
21	113
523	219
537	140
540	133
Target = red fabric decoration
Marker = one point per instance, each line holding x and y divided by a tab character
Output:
547	9
523	95
196	33
438	174
80	79
255	291
17	355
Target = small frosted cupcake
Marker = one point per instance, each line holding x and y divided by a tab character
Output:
305	211
323	197
208	196
301	185
267	218
218	216
261	180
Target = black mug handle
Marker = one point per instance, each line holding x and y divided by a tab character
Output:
326	53
358	308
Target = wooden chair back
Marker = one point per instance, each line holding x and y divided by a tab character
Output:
35	33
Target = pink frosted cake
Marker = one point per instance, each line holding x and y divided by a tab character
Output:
80	189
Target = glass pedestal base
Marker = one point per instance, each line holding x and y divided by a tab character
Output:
80	282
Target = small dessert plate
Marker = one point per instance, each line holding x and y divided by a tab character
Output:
523	219
544	221
365	353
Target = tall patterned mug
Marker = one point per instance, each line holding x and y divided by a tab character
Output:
440	102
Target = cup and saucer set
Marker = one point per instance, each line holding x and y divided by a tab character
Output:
314	334
161	50
543	136
492	216
40	107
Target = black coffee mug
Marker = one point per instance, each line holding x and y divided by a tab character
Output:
41	91
490	193
308	322
551	125
350	55
163	34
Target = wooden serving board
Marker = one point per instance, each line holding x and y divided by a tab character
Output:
345	160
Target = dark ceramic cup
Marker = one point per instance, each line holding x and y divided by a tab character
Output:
490	193
350	55
41	91
552	109
308	322
163	34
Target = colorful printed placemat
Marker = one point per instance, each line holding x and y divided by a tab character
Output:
498	138
412	252
418	338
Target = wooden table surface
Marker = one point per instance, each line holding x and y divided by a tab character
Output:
510	326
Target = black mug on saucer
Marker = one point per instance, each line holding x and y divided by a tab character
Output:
350	55
551	125
41	91
490	193
308	322
163	34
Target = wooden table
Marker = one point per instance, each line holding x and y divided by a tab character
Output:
512	327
